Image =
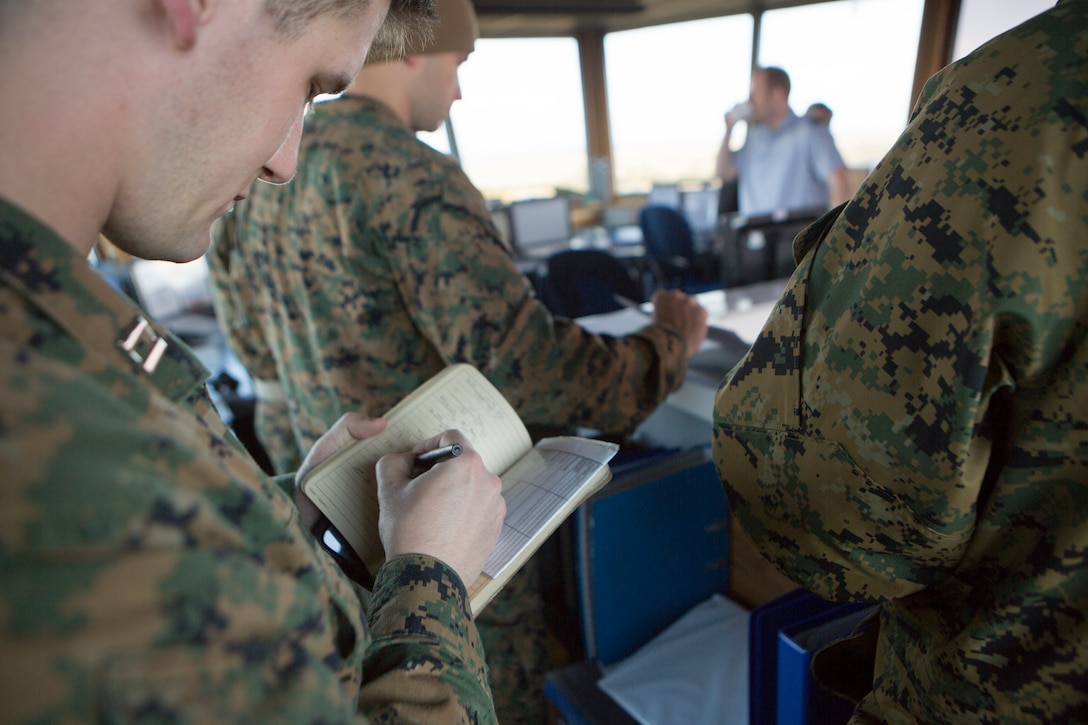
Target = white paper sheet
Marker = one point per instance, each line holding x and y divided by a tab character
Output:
693	673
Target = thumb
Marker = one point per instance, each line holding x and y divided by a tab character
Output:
351	427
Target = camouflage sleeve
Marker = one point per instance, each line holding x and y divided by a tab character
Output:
919	371
242	334
139	577
131	594
470	302
426	661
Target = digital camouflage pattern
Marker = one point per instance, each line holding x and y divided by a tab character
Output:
376	268
150	572
515	638
912	424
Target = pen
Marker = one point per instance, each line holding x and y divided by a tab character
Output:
429	458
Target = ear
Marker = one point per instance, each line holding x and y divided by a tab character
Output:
412	61
183	17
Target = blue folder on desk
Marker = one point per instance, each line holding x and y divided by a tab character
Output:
666	515
781	643
650	546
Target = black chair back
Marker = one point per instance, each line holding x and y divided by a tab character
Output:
760	248
669	242
581	282
670	245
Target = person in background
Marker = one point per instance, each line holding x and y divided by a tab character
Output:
380	266
150	570
909	427
820	113
785	163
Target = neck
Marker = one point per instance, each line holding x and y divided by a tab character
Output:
387	83
777	117
59	158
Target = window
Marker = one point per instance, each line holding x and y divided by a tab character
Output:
981	20
668	90
856	56
520	126
438	139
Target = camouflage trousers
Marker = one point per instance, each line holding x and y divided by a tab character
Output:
516	647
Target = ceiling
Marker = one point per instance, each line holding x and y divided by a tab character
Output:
543	18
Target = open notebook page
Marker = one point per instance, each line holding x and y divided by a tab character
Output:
539	487
345	487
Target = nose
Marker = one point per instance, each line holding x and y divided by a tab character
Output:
281	167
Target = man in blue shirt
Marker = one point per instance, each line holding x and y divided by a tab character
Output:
787	162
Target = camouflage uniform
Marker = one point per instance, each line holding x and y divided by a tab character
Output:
910	426
271	418
377	267
149	571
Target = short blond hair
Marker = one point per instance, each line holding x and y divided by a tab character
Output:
406	21
456	30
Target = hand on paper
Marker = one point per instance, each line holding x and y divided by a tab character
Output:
683	314
453	512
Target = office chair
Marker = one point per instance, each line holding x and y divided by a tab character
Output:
581	282
650	546
760	247
729	197
671	245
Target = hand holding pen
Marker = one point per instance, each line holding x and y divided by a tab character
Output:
452	511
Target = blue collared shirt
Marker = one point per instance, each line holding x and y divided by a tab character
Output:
787	167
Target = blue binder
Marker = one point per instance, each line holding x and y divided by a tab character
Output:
652	544
780	682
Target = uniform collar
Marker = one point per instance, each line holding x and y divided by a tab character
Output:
52	276
368	105
788	121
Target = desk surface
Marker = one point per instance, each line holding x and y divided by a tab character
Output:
741	311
